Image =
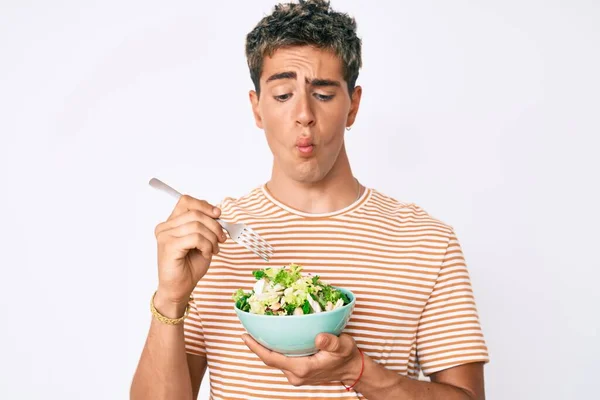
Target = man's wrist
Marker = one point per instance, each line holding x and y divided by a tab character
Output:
169	308
354	367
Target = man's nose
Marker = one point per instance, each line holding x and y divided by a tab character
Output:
304	112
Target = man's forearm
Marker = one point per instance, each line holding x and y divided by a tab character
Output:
163	370
379	383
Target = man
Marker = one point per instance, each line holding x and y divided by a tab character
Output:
415	309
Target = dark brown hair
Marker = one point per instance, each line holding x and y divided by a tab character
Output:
308	22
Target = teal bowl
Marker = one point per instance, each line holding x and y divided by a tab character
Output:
294	335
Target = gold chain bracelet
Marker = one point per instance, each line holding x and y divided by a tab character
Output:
166	320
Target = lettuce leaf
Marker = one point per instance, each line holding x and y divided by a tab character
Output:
258	274
306	307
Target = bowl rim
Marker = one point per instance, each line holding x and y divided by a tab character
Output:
237	310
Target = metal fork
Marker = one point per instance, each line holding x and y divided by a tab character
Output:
239	232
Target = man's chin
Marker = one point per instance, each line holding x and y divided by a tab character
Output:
306	170
308	176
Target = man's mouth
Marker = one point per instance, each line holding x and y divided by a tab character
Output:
305	149
305	146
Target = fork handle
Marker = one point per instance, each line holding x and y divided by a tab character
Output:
163	187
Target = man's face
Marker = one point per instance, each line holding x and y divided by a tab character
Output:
304	108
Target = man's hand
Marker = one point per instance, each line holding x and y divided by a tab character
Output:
186	243
338	359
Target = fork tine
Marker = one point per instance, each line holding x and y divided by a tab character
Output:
256	243
257	246
261	242
265	255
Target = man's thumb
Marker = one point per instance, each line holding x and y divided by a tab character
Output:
327	342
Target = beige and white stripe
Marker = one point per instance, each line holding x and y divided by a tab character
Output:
414	310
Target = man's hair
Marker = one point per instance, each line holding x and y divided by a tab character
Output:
308	22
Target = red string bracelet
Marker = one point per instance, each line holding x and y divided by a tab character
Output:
362	368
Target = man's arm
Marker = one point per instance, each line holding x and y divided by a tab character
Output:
186	243
197	367
464	382
340	360
450	311
165	371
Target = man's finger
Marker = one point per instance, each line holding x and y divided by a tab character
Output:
292	379
270	358
328	342
188	203
196	227
189	216
193	241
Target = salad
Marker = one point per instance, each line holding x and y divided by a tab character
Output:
284	291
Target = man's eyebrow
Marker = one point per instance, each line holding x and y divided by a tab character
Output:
318	82
282	75
323	82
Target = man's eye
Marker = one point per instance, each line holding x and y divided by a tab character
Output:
283	97
323	97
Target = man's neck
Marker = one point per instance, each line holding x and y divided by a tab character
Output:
337	190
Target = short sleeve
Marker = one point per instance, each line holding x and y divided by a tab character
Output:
449	332
193	332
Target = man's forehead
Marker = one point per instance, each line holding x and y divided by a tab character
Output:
304	61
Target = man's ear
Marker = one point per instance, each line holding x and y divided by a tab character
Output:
255	110
354	105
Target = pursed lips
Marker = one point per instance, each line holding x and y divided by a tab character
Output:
305	145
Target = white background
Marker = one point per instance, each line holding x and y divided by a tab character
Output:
484	113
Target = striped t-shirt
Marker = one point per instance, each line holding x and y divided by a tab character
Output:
414	304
